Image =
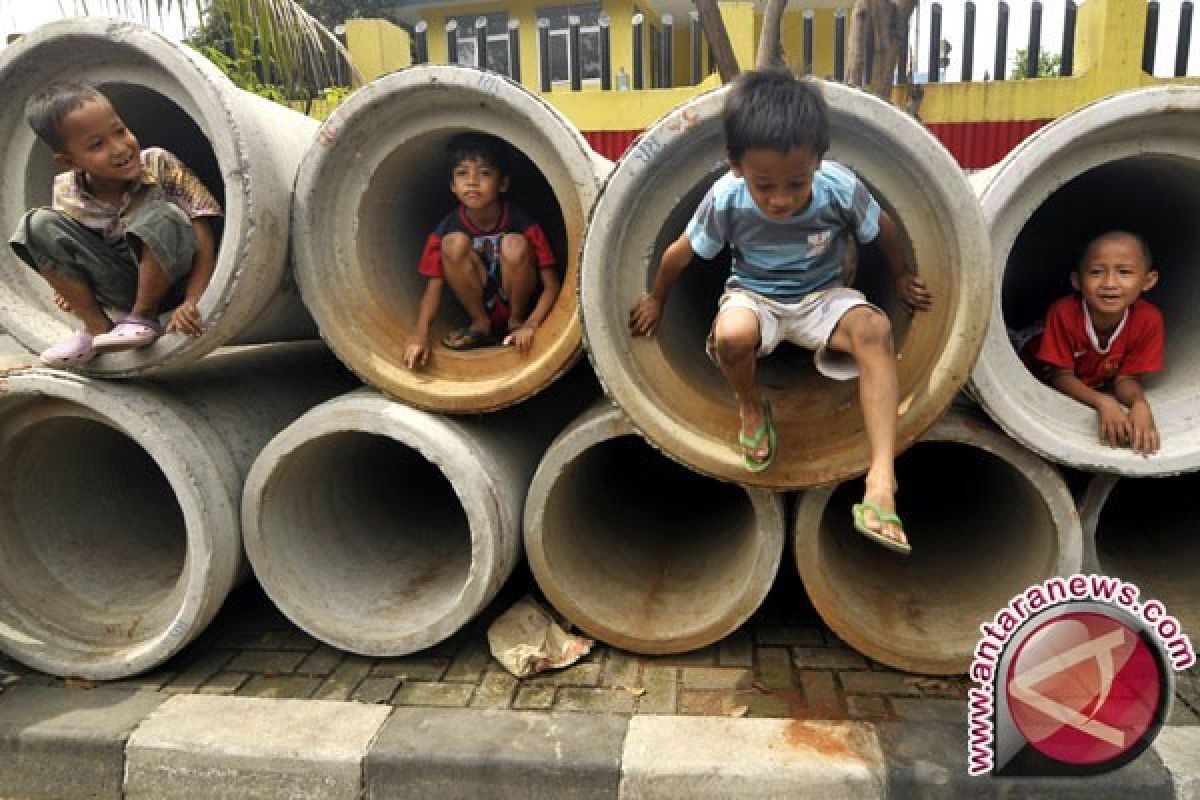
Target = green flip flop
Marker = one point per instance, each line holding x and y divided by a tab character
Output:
752	443
859	511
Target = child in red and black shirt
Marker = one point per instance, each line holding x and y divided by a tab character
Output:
1107	336
489	252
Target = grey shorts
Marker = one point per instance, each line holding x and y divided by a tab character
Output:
50	240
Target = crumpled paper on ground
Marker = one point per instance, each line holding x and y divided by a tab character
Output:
526	640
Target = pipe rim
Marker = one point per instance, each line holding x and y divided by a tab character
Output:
960	429
506	379
1037	416
193	469
200	86
451	455
611	349
598	426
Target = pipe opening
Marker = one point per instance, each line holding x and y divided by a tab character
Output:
372	533
93	543
646	548
1153	196
1145	534
406	197
980	532
156	121
691	309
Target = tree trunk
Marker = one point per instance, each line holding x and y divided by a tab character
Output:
718	39
880	26
770	43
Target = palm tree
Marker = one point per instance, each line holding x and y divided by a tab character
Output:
271	41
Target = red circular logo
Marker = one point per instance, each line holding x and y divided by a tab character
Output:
1084	688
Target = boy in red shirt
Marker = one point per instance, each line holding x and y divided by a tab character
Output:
1108	337
490	252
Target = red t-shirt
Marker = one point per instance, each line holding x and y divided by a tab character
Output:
485	242
1069	341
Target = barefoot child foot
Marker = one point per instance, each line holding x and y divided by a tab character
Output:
875	517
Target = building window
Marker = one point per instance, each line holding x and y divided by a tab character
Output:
560	54
497	42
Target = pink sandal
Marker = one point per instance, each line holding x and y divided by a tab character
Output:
130	332
76	349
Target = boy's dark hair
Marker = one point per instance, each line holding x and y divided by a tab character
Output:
46	110
772	109
1116	234
488	149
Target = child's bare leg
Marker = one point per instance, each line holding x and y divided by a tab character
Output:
80	300
867	335
518	277
736	333
152	285
464	274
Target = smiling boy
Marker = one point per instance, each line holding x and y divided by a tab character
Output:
128	228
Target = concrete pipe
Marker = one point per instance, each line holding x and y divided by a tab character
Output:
1130	161
374	185
986	519
639	552
1143	531
383	529
243	147
119	530
677	398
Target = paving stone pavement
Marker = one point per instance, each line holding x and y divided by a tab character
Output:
783	663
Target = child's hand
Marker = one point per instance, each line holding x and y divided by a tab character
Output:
644	316
520	338
416	353
913	292
1143	433
186	319
61	302
1114	423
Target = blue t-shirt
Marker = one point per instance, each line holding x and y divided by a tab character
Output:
785	259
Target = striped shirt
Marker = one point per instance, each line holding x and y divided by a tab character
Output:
785	259
159	168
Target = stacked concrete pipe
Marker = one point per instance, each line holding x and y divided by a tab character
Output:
245	149
1143	531
1130	162
383	529
677	398
639	552
986	518
119	529
374	185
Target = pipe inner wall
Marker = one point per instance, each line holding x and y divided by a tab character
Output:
640	552
375	185
677	398
983	527
1143	531
1128	162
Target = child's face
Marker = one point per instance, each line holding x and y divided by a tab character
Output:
477	184
96	141
1113	275
780	183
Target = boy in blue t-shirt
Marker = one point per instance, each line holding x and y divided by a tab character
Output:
786	214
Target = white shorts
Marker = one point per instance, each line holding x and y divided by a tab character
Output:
808	323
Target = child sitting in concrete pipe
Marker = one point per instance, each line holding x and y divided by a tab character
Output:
490	252
127	228
787	215
1097	344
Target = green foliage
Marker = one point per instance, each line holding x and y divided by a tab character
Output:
1048	65
242	76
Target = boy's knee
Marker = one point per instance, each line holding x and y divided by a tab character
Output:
735	343
514	249
871	330
455	247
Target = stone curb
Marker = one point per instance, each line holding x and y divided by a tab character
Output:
66	744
